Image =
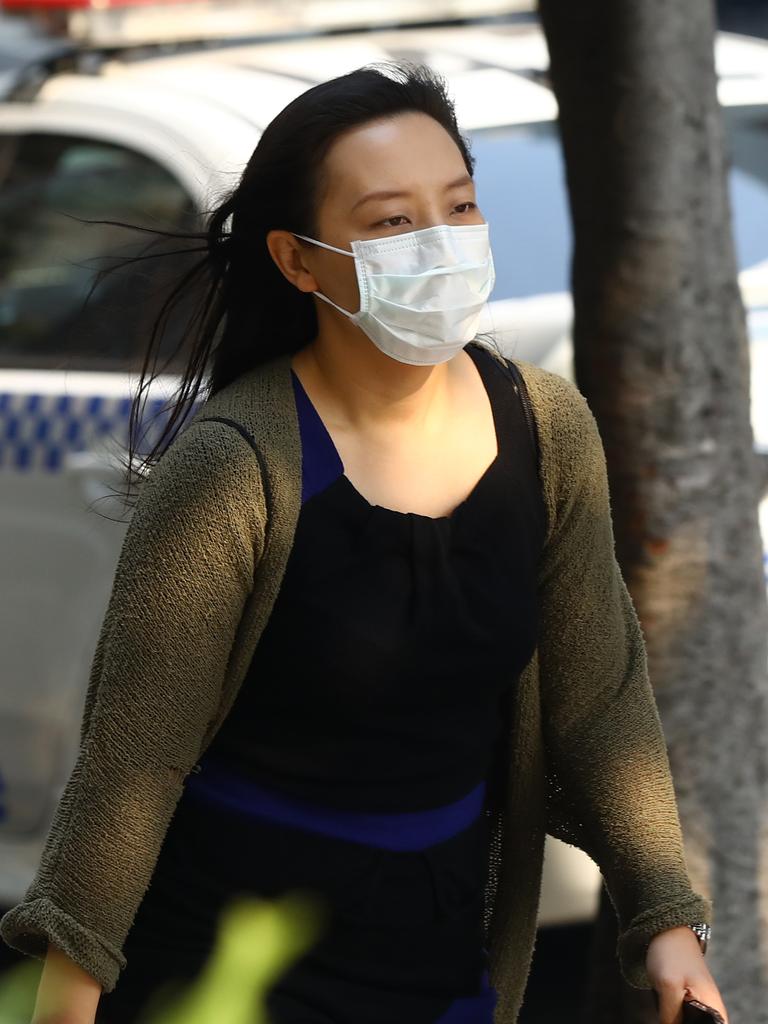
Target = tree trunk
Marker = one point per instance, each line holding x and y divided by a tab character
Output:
661	356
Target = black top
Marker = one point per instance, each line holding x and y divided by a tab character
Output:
376	682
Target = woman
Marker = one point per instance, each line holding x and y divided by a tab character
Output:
367	634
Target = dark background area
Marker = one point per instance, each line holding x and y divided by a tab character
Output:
747	16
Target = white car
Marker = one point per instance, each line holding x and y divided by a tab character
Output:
163	135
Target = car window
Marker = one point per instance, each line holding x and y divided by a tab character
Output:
48	258
520	183
747	135
521	190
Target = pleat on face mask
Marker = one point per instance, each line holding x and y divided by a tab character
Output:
422	293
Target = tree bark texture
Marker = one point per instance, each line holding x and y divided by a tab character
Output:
661	355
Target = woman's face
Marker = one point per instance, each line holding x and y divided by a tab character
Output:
378	180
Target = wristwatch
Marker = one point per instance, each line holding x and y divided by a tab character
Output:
703	932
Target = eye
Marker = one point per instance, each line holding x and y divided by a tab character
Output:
386	222
400	216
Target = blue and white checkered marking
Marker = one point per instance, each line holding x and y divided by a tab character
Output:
38	430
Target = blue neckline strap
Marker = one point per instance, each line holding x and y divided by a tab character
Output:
323	463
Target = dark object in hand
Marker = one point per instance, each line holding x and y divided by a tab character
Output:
695	1012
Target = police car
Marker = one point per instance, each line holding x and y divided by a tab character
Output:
138	134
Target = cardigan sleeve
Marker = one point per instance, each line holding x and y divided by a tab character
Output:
184	572
610	789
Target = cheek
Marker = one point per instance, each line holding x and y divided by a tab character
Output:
351	287
341	286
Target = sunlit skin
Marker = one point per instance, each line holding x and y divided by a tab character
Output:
415	437
677	969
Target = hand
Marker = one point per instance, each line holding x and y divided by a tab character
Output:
677	968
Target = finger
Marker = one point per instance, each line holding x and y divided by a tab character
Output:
671	1004
708	994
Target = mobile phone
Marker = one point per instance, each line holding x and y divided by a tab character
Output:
695	1012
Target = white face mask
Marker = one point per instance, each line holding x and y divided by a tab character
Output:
421	293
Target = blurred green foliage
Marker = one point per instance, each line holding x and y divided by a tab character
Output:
256	942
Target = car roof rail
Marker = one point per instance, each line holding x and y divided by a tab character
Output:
24	81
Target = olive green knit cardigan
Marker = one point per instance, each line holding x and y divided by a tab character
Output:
201	564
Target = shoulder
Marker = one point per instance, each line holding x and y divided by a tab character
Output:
573	464
236	462
567	425
205	450
208	471
569	438
560	408
559	405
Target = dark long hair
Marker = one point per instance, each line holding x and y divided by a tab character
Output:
247	312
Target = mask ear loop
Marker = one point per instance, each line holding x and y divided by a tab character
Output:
360	281
333	248
346	312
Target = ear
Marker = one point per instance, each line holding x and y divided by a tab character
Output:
289	255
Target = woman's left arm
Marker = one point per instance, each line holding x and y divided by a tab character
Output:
610	789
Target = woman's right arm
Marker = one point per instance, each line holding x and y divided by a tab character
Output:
66	994
185	571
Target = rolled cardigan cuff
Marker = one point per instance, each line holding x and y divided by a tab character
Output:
632	945
32	924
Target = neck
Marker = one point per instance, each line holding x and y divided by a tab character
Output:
364	389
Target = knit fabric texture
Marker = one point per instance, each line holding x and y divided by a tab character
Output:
199	570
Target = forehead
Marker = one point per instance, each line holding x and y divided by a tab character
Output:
409	150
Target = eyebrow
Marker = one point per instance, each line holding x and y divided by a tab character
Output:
465	179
